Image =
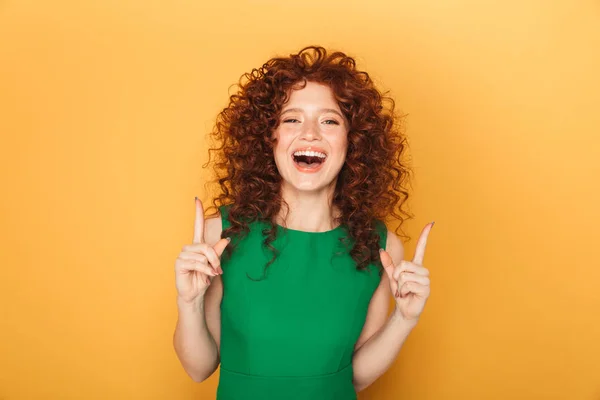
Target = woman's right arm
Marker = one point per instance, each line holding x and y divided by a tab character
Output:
198	332
199	287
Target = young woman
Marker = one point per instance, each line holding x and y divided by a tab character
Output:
288	286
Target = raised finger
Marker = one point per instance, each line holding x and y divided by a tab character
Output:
421	244
199	222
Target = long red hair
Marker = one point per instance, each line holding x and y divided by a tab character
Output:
373	182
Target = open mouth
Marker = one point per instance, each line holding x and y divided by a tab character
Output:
309	159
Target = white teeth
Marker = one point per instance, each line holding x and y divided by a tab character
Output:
310	153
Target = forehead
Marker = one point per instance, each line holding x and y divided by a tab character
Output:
313	94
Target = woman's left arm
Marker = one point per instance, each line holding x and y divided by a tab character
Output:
382	336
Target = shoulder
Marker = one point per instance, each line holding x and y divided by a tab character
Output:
393	244
213	227
394	247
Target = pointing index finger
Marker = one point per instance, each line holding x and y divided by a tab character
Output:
421	244
199	223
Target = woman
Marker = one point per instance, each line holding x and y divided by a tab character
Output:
286	287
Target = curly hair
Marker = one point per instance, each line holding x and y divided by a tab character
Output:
372	183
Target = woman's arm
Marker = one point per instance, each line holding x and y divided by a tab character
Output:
382	336
197	334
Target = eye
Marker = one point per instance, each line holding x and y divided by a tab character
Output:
331	122
291	120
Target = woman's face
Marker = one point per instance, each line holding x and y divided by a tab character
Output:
311	138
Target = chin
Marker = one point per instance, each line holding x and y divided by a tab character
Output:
308	186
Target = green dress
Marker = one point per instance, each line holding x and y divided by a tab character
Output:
291	335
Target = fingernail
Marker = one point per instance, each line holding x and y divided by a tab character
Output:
221	270
228	239
380	250
432	224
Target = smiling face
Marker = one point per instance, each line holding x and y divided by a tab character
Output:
312	139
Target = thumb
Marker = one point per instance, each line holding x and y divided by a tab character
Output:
388	266
219	247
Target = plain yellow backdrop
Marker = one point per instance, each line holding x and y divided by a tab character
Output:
104	111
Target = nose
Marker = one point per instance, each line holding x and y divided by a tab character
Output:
311	131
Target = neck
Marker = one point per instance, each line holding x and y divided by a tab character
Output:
308	211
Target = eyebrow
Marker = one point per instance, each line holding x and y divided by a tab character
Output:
331	110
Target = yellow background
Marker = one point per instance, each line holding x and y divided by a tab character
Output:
104	108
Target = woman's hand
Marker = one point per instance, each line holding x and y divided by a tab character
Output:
409	281
198	262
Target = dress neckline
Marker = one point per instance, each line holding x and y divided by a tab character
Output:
299	232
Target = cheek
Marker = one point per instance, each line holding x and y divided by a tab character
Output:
339	143
283	139
280	145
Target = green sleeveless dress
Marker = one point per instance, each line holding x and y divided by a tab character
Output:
291	335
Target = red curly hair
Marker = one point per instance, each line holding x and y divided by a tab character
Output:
372	183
